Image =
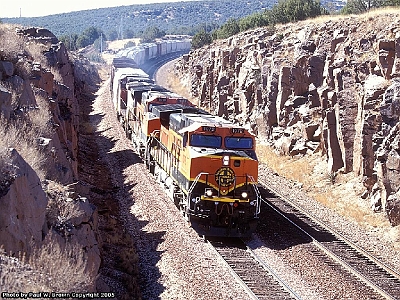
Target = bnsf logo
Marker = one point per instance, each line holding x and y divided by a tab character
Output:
225	176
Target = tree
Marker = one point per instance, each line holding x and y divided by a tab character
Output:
92	33
69	41
259	19
100	43
130	44
361	6
226	30
201	38
82	41
152	33
392	3
88	37
295	10
129	33
113	35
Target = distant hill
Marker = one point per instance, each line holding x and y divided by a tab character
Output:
131	21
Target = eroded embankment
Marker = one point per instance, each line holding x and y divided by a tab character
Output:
119	266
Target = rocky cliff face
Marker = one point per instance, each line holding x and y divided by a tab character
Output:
328	86
43	71
39	117
24	203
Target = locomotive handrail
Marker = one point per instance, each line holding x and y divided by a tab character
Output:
258	207
195	181
122	100
169	167
192	187
147	149
154	133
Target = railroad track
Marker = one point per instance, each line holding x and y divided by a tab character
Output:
369	270
257	278
261	282
152	66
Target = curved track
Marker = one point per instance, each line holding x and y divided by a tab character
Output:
153	65
378	278
379	281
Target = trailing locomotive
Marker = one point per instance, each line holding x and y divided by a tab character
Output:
207	164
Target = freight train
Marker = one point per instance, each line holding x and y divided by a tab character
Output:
207	165
142	53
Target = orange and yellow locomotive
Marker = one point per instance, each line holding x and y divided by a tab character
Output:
207	164
209	168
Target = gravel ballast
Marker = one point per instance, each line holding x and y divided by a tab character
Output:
174	262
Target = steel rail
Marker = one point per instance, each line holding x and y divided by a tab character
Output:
237	277
340	236
274	275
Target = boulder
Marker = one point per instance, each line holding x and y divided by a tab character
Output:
390	104
84	233
393	209
6	69
386	52
5	102
22	209
312	132
38	34
334	150
74	220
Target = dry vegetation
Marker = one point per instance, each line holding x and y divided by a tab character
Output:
51	267
339	192
8	171
29	121
12	44
23	132
368	15
169	80
21	138
54	265
59	211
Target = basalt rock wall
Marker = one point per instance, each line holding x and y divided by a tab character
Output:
24	77
330	86
33	205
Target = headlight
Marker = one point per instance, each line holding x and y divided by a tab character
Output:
225	160
208	192
244	195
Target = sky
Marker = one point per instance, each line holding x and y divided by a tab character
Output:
38	8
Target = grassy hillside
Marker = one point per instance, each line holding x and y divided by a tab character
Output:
173	18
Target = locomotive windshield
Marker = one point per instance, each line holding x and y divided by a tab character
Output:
238	142
208	141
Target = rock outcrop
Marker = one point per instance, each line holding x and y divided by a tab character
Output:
45	71
329	85
41	200
24	203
